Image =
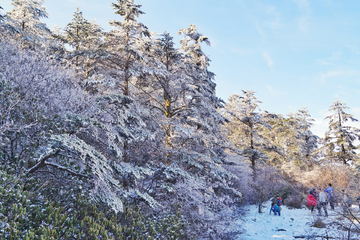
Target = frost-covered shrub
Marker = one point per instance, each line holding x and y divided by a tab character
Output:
53	131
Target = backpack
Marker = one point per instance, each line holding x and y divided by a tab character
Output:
348	200
330	192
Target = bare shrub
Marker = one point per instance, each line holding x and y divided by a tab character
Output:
338	175
294	201
268	181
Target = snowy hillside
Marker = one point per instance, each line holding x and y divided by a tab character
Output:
296	224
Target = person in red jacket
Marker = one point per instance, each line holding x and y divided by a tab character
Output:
278	200
311	200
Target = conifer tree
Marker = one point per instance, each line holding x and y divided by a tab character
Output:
244	128
305	140
126	44
167	91
205	118
26	16
339	142
85	41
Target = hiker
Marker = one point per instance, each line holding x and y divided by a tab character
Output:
322	202
311	200
358	201
278	200
331	196
274	208
346	201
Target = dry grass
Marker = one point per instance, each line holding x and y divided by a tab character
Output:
318	223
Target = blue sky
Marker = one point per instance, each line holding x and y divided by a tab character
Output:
293	53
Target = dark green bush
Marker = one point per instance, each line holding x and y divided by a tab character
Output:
23	216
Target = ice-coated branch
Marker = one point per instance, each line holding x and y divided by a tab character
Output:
41	162
66	169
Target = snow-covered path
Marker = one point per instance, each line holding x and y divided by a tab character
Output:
291	223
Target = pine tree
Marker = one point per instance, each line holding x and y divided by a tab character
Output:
339	142
306	141
126	44
26	15
85	40
167	91
205	118
244	128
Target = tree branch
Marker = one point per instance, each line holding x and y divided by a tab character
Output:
66	169
41	162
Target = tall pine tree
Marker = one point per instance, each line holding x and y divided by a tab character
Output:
26	16
340	139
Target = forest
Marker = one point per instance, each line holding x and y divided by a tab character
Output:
120	135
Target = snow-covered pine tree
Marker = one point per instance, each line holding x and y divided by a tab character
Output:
306	141
126	44
168	93
85	44
202	140
339	142
245	127
26	16
204	118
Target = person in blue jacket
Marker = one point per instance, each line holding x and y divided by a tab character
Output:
274	208
331	196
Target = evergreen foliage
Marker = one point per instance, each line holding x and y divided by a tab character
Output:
26	16
244	129
340	138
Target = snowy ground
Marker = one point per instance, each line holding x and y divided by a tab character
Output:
295	224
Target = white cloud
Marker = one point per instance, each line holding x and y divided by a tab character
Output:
350	74
329	74
274	22
261	32
335	56
268	59
354	48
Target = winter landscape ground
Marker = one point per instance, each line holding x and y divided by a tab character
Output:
296	224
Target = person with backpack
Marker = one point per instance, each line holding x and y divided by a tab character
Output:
312	200
274	208
358	201
346	202
322	202
331	196
278	200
